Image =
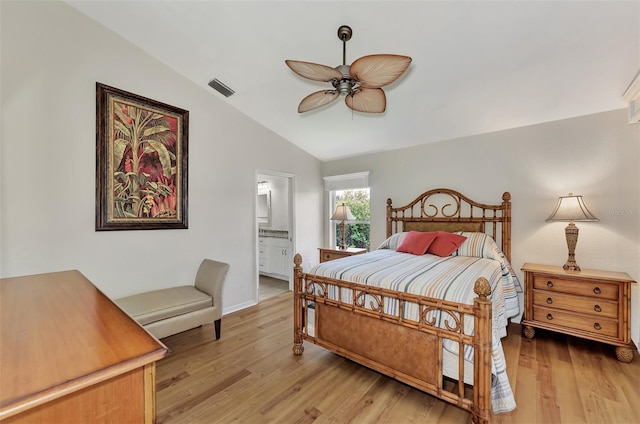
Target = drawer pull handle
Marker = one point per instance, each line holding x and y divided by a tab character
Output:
549	300
597	326
597	290
597	308
549	283
549	316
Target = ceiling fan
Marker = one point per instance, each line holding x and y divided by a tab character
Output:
360	83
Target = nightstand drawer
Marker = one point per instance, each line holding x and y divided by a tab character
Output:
595	307
329	256
603	327
595	289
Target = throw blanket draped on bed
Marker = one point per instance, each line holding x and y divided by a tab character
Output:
449	278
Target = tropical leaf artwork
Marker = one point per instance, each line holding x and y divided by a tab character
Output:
144	159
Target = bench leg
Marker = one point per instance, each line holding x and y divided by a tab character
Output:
217	324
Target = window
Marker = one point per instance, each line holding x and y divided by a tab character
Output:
353	190
360	206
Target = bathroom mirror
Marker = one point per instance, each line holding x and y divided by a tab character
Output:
264	208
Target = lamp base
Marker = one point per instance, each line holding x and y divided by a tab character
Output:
571	233
571	265
343	232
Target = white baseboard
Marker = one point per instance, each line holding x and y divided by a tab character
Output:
239	307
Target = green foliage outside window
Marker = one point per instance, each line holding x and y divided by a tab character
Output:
360	205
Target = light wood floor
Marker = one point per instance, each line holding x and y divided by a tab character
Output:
250	376
270	287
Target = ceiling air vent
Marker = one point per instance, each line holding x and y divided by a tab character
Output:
220	87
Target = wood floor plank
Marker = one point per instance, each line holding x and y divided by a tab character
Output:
275	388
251	376
547	399
572	409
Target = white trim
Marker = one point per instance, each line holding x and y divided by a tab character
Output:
239	307
632	95
352	181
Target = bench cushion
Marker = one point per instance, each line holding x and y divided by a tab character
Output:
157	305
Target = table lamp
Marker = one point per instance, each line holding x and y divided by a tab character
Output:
342	214
571	208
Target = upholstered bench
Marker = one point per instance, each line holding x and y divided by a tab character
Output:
172	310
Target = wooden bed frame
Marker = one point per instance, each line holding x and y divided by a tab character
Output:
407	350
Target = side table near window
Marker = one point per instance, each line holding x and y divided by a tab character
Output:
329	254
590	304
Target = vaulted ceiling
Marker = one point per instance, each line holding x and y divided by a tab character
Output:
478	66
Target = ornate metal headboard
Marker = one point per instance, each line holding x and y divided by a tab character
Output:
443	209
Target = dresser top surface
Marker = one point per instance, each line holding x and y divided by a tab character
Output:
592	274
347	250
58	331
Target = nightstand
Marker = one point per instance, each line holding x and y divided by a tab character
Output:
590	304
329	254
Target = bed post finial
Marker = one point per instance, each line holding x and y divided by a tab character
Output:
389	229
506	196
297	260
482	288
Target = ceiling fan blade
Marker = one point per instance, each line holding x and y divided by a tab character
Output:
368	100
317	99
378	70
314	71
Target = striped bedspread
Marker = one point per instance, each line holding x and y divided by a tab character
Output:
450	278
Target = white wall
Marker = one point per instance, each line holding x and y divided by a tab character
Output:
597	156
52	57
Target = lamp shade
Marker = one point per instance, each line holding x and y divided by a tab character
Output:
571	208
342	213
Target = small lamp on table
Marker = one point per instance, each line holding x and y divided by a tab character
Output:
571	208
342	214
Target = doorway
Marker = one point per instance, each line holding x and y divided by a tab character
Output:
274	233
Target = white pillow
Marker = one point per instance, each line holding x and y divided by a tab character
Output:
393	242
478	245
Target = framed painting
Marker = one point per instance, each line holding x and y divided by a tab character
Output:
141	162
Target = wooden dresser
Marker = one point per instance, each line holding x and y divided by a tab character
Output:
329	254
70	355
591	304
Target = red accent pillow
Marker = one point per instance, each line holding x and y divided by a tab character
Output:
445	243
417	242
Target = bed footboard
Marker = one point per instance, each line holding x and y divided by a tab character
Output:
351	320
